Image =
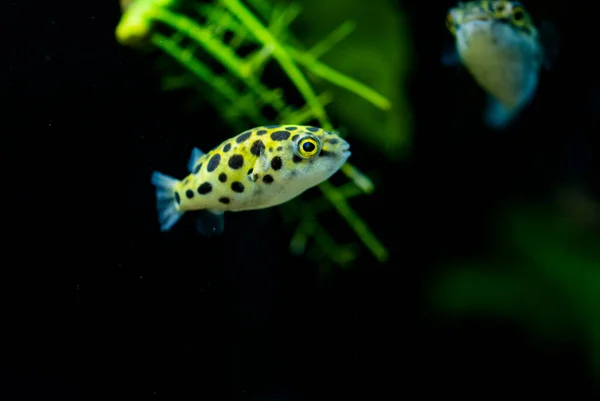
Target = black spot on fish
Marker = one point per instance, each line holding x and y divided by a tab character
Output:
279	148
267	179
250	171
222	177
325	153
224	200
312	129
177	198
236	162
272	126
237	186
280	135
333	141
295	137
227	147
258	147
255	177
291	128
296	159
197	168
243	137
213	163
261	132
189	193
186	181
205	188
276	163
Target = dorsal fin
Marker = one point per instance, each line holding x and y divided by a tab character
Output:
196	155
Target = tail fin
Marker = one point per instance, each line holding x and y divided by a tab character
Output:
165	200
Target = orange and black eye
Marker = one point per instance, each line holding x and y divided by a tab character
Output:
518	16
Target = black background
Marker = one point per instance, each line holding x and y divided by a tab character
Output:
96	301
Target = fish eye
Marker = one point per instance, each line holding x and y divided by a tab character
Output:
518	16
308	146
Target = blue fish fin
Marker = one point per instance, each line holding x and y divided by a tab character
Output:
496	116
196	155
210	222
168	214
549	39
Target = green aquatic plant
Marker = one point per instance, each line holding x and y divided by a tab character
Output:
196	35
547	277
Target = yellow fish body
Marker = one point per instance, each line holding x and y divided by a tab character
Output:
260	168
503	50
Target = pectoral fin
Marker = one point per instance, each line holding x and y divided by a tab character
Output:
210	222
260	167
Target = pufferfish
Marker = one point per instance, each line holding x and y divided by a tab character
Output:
503	50
257	169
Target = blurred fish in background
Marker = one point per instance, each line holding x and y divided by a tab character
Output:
503	50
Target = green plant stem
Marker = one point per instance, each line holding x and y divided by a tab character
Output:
356	223
219	51
280	22
339	34
339	79
305	113
359	179
280	54
202	72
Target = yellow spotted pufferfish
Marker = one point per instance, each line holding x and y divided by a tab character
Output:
260	168
503	50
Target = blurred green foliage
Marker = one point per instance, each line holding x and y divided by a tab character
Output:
379	54
546	276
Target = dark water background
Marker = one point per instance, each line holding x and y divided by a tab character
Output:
96	301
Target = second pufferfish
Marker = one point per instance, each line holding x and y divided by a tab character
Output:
503	50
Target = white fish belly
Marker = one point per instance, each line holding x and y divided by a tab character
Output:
504	69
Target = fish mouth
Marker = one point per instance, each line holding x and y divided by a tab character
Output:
346	150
